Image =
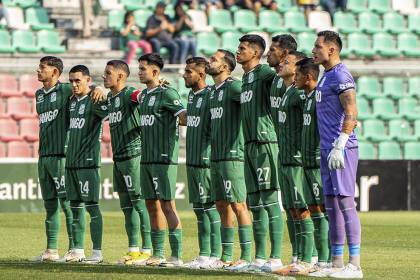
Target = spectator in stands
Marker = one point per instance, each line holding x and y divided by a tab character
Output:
3	12
183	35
159	31
308	6
131	35
251	5
331	6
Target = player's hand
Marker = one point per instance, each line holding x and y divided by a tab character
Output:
336	159
98	95
164	82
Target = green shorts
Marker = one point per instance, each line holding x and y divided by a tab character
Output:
83	184
51	171
227	181
291	182
312	186
261	167
263	198
158	181
127	176
198	184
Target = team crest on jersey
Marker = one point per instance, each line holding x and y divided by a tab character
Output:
72	106
40	98
117	102
82	109
251	77
190	98
212	94
152	100
220	97
199	101
53	97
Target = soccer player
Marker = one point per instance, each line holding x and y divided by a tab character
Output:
261	152
82	165
337	117
226	160
198	163
306	79
124	122
160	111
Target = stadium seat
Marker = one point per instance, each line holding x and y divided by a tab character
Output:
394	23
399	130
266	37
151	4
8	86
404	7
38	19
294	21
6	42
115	19
306	41
409	108
270	21
345	22
29	129
9	131
414	23
19	149
374	130
367	150
384	44
383	108
369	87
414	86
363	109
49	42
319	20
27	3
132	5
221	20
230	41
379	6
389	150
207	43
200	21
246	21
16	19
141	17
28	85
412	150
356	6
369	23
359	132
9	3
408	44
24	41
106	133
358	44
19	108
108	5
393	87
284	5
3	153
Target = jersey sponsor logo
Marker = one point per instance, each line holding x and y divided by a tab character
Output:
318	95
152	100
220	97
251	77
307	119
246	96
53	97
117	102
199	101
82	109
282	117
72	106
147	120
275	101
77	123
48	116
40	98
193	121
115	117
216	113
346	86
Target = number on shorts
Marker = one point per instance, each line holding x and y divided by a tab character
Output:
155	183
84	187
200	189
228	185
315	189
263	174
58	183
128	182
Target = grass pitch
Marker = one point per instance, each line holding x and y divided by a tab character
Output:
390	250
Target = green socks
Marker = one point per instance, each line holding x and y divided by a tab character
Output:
140	206
292	233
158	242
228	235
96	225
203	228
260	228
132	220
175	241
79	224
298	232
245	242
52	222
321	236
215	238
307	239
65	205
276	229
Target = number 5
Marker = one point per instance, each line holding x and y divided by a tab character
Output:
155	183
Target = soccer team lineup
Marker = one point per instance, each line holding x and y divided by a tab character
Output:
270	155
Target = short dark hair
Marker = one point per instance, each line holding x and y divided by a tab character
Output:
198	60
285	41
229	58
331	36
80	68
54	62
120	65
255	40
299	55
307	66
153	59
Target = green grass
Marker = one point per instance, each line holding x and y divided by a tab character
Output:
390	250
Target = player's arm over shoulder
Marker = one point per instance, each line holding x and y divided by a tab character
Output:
135	95
173	104
267	74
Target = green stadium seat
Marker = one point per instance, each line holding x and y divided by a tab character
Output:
116	19
230	41
270	21
369	23
9	3
358	131
6	42
374	130
369	87
408	44
414	86
379	6
363	109
294	21
345	52
345	22
246	21
306	41
356	6
151	4
181	87
358	44
221	20
414	23
417	129
389	150
409	108
384	45
412	150
132	5
394	23
284	5
27	3
207	43
384	109
38	19
49	42
393	87
399	130
24	41
367	150
141	17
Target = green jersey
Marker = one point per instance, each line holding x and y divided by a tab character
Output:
159	110
277	90
198	128
290	116
52	110
310	134
124	124
227	141
85	133
257	122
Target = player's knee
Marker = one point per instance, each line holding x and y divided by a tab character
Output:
303	214
167	207
316	209
239	208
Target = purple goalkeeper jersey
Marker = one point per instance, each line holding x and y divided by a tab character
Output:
330	112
